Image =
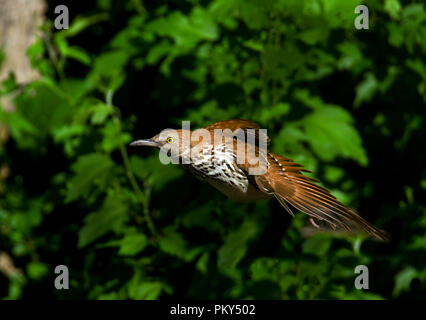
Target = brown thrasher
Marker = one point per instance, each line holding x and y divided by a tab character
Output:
216	159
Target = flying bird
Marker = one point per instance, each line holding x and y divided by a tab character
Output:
219	160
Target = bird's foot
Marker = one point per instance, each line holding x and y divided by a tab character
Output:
314	223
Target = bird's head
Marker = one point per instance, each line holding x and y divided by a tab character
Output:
173	142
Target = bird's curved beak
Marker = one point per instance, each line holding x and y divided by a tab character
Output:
145	142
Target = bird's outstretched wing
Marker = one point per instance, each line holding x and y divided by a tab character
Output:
287	183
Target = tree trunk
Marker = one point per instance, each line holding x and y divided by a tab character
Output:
19	22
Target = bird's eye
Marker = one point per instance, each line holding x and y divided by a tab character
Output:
170	140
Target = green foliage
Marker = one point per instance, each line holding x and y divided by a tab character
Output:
89	170
346	103
110	217
235	246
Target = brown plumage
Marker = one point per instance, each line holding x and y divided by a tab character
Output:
215	161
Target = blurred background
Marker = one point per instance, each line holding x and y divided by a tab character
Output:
348	104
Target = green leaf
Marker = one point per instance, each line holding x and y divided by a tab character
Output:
393	8
76	89
90	170
154	172
341	293
132	243
340	14
396	34
63	134
317	244
69	137
202	263
100	113
173	243
313	36
158	51
44	106
403	280
352	58
186	31
35	51
111	217
264	269
201	216
81	23
113	137
61	43
146	290
19	126
366	89
235	246
209	112
30	218
274	113
108	69
37	270
253	13
108	64
331	134
78	54
333	174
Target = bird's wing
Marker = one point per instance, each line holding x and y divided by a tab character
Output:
245	125
233	124
287	183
